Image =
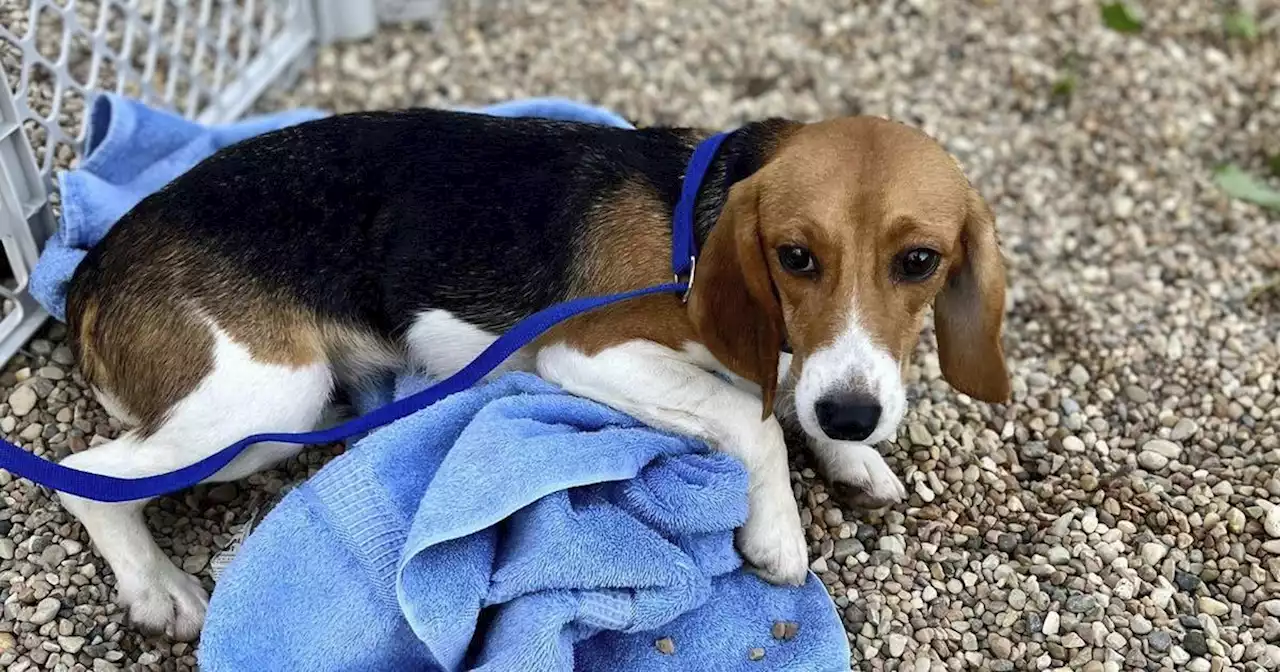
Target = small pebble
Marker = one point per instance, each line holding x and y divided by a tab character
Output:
1272	522
1183	430
1153	552
897	645
45	611
1195	643
22	401
71	644
1213	607
1051	623
1152	460
1166	449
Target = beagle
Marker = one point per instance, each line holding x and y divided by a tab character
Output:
239	297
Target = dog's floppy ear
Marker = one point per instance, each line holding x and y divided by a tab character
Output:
733	305
969	311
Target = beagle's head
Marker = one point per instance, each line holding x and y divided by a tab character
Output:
837	243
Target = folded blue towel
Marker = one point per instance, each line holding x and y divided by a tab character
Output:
512	527
508	527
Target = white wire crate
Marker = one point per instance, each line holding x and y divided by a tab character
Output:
205	59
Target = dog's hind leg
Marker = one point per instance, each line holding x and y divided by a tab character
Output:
240	396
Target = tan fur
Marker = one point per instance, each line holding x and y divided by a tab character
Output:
733	306
626	245
969	312
148	345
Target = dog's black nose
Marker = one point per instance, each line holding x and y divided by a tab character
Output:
848	417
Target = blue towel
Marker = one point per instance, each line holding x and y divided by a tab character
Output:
512	527
508	527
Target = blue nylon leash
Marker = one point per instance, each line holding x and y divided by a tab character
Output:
115	489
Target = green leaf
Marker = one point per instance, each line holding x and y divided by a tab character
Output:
1273	164
1261	292
1065	86
1241	185
1240	24
1120	17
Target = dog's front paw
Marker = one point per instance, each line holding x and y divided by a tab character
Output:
861	468
165	600
772	541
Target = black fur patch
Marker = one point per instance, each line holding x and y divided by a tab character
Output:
370	218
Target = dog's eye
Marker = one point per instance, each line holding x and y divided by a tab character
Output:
917	265
796	259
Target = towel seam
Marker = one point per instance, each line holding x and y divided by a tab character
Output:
364	518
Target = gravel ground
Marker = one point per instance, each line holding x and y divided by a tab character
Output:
1122	512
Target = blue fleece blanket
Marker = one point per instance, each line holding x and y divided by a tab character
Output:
508	527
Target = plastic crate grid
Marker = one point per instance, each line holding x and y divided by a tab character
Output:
206	59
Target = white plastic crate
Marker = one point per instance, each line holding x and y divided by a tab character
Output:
206	59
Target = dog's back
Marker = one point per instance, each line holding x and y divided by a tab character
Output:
434	195
334	234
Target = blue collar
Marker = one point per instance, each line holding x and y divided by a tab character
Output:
684	244
117	489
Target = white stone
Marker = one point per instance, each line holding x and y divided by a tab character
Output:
1051	623
1089	524
893	544
1122	206
1168	449
1210	606
1139	625
1161	596
1272	522
919	434
1153	552
1183	430
1152	461
71	644
22	400
1235	520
